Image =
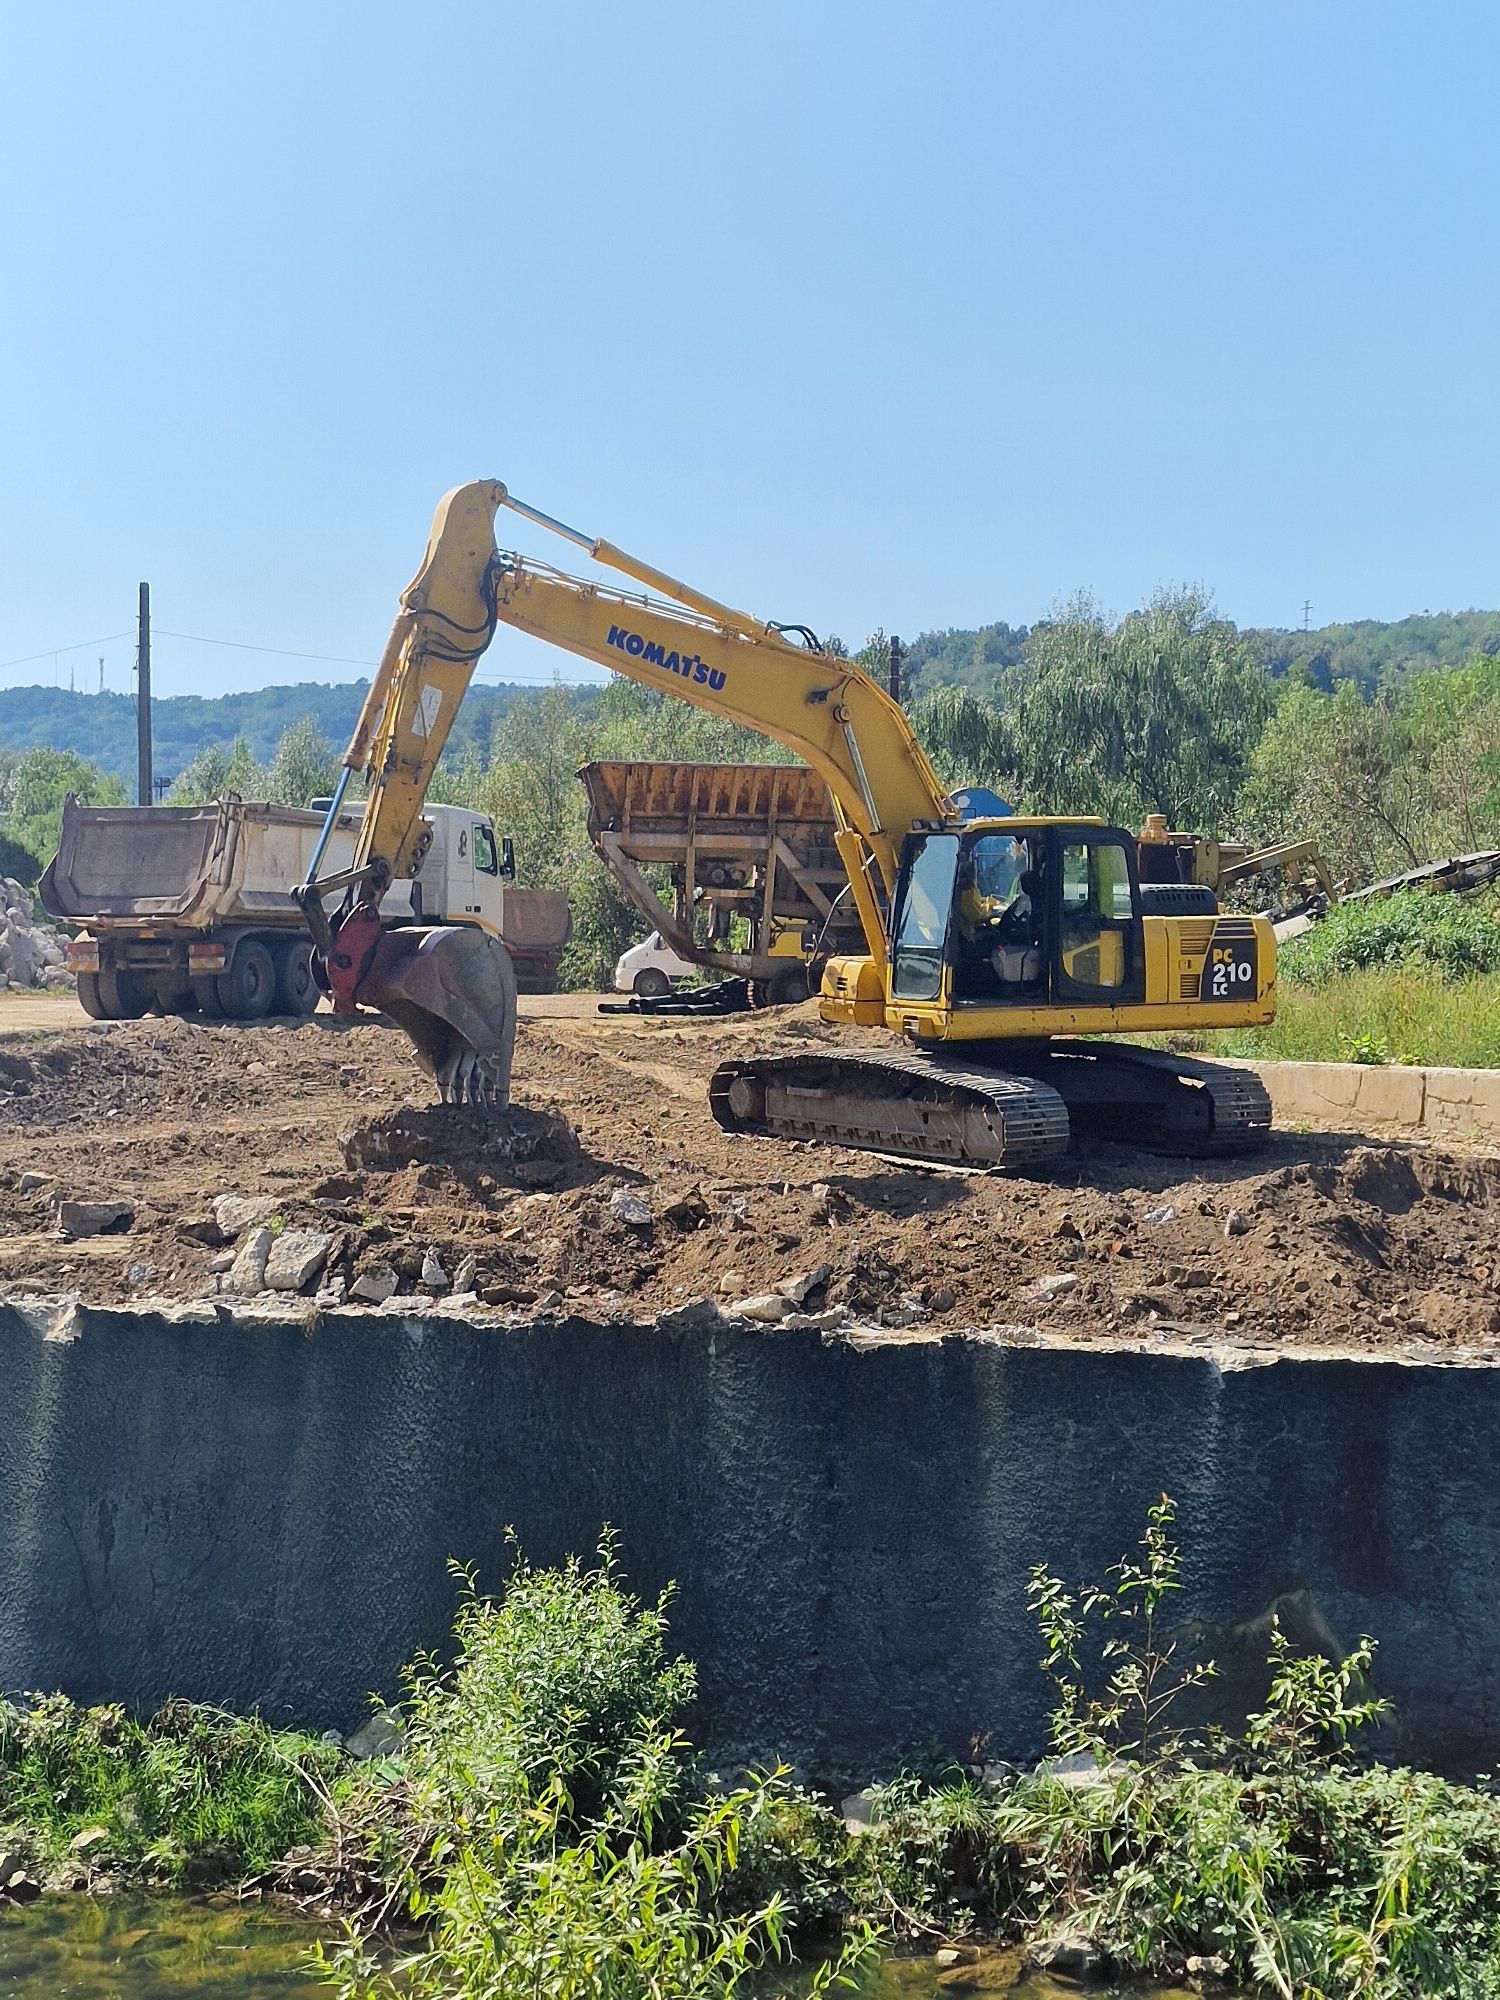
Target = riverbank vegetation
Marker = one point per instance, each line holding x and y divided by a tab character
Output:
542	1826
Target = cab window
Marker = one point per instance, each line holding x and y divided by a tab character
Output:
1096	913
484	851
921	927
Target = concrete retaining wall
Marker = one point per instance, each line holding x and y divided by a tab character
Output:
258	1512
1461	1105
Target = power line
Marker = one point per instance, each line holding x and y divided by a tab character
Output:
51	652
282	652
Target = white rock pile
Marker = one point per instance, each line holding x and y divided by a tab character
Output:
31	953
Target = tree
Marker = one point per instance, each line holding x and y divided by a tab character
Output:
39	781
1386	784
966	737
217	771
1158	713
304	767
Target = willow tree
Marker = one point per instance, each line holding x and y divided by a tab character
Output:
1158	712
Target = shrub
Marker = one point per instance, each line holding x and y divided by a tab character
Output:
1454	934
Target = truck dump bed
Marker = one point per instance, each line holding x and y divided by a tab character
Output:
191	867
738	840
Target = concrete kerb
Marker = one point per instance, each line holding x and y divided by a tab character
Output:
256	1506
1460	1105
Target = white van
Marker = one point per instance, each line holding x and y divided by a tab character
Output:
649	969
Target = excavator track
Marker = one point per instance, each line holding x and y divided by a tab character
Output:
913	1106
1161	1103
934	1109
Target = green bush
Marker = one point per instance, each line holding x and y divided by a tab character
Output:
1454	934
544	1829
19	862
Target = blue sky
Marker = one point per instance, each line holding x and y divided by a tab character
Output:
852	314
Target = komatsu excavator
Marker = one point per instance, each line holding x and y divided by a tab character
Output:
997	949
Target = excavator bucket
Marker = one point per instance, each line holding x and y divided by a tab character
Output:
453	990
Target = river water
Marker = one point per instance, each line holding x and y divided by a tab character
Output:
179	1948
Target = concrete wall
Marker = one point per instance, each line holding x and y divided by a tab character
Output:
258	1512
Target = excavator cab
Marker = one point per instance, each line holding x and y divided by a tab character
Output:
1019	916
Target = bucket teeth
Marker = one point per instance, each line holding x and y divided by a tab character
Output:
452	990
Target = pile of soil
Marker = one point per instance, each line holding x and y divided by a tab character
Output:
1319	1240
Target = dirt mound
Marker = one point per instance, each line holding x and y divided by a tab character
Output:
611	1189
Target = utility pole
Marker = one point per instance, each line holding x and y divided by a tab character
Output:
1306	612
143	700
101	677
895	668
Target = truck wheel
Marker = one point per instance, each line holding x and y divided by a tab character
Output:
296	989
90	998
785	990
651	983
248	989
125	997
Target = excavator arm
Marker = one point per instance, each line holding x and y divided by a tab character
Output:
666	635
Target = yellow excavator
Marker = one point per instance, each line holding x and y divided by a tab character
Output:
997	948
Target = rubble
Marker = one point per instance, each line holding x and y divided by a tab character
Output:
31	952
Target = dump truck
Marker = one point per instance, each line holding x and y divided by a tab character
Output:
747	841
190	908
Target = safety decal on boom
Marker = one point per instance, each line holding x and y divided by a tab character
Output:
1229	972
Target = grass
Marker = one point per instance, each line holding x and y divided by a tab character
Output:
1405	1015
189	1797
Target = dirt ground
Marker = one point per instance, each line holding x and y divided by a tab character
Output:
1319	1240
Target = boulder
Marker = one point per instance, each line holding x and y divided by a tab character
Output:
247	1274
296	1258
379	1737
234	1212
630	1208
93	1218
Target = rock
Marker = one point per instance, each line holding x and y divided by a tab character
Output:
1081	1770
630	1208
331	1294
732	1285
943	1300
247	1274
1054	1286
1236	1224
21	1888
200	1229
379	1737
1069	1954
224	1261
296	1258
738	1211
434	1277
1157	1216
1197	1966
859	1810
766	1309
141	1274
93	1218
467	1272
90	1838
377	1284
548	1301
796	1289
32	1183
234	1212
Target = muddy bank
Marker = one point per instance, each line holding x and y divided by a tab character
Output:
257	1510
